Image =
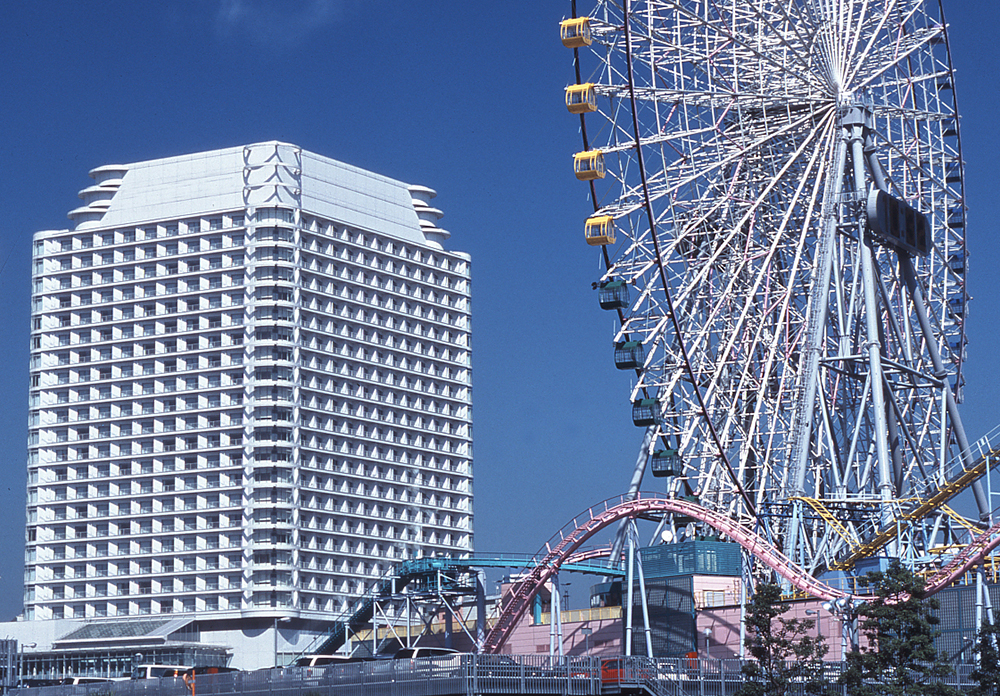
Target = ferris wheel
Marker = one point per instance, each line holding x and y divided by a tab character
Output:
779	206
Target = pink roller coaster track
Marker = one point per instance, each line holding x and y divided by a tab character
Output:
561	547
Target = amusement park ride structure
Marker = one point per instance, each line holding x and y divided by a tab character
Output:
779	203
778	199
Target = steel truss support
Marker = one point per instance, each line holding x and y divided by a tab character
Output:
635	565
555	619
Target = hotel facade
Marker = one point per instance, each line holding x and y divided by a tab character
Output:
250	395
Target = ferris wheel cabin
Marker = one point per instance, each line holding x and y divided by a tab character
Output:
575	33
581	99
629	355
600	230
613	294
645	412
665	462
588	165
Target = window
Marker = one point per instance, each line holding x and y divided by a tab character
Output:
714	598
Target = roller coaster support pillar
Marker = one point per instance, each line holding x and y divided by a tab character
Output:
555	619
480	609
629	603
746	584
633	537
980	591
409	613
855	120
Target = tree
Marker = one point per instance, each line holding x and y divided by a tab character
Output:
782	652
987	672
899	658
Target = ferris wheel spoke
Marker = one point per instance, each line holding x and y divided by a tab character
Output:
860	58
688	173
737	225
736	332
888	58
851	45
720	28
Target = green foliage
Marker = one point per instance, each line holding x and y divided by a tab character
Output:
987	673
899	658
782	652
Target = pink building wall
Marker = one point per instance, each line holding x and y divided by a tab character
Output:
605	639
724	624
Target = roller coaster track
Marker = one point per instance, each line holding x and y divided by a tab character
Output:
854	544
985	454
564	544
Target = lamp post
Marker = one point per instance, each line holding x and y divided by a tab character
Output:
586	631
20	664
276	622
708	643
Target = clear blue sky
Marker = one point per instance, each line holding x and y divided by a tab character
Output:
464	97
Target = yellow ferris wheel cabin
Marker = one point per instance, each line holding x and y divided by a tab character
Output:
581	99
600	230
575	33
588	165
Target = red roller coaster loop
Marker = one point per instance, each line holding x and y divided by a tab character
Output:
565	542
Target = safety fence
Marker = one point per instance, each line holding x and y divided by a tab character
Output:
465	675
698	677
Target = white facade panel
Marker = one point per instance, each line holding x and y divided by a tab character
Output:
359	198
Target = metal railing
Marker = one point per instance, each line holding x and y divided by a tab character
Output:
466	675
460	674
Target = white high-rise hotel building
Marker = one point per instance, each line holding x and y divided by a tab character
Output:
250	389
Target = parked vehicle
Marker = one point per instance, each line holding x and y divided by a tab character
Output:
324	660
627	670
345	669
424	663
159	671
33	682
